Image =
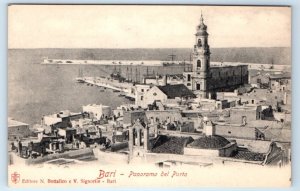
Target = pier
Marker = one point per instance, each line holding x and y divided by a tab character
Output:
125	88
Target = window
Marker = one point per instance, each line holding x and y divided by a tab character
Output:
154	94
142	97
198	86
258	80
142	90
199	43
189	77
188	84
244	120
198	63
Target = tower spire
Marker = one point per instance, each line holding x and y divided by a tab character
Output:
201	19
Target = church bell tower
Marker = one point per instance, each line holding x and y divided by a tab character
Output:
201	61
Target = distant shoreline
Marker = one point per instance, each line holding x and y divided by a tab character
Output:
265	55
147	63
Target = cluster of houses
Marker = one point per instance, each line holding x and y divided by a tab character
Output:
236	126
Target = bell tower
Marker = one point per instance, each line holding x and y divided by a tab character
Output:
201	61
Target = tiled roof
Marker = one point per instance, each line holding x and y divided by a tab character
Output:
173	145
210	142
176	90
250	156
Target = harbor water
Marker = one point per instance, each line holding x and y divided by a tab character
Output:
36	89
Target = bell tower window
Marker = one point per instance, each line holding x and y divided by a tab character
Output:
199	43
198	63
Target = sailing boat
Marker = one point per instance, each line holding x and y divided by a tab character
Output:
80	78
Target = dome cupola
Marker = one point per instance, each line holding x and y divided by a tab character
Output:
201	28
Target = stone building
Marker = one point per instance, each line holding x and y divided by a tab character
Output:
17	129
167	95
98	111
242	115
280	82
205	80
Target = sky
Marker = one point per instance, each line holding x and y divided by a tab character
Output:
99	26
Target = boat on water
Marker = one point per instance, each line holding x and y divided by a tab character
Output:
79	80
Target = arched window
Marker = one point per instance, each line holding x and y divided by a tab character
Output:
199	43
198	63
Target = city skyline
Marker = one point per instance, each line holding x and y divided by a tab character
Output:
108	26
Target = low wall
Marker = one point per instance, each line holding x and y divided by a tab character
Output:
253	145
111	157
159	157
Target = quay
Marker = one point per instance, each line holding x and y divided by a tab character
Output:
125	88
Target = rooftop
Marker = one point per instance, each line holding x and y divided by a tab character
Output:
169	144
248	155
244	108
176	90
264	123
281	76
209	142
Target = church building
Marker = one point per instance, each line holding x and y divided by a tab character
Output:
205	80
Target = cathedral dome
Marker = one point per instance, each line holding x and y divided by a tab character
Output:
201	28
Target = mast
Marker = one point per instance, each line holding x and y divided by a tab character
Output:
172	56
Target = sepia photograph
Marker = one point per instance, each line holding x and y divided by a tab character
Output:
149	96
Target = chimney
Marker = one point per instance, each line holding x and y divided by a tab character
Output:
100	132
209	128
